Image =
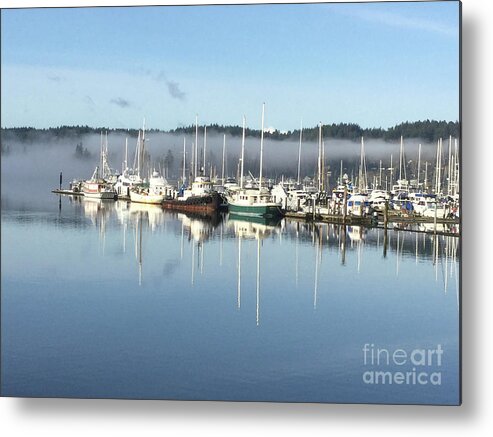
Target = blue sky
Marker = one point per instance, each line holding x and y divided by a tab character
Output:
373	64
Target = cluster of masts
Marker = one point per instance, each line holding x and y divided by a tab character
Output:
263	197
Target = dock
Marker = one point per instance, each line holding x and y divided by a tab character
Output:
68	192
367	220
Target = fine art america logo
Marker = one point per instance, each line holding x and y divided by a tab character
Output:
402	367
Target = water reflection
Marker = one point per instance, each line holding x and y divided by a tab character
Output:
199	230
296	295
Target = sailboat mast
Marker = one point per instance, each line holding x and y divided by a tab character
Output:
323	165
449	166
380	175
439	164
224	154
205	146
184	160
299	151
400	159
419	163
196	146
425	182
320	156
142	149
126	153
361	178
242	152
192	162
261	148
100	157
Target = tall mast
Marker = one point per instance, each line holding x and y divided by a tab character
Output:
456	167
299	151
391	172
400	159
261	148
196	146
380	175
425	182
360	173
137	156
439	177
323	165
224	154
192	162
184	160
449	165
142	147
457	172
320	156
126	153
363	182
205	146
419	162
99	175
242	152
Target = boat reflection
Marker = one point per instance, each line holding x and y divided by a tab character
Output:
257	228
353	246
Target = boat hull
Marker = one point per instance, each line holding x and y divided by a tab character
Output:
150	199
208	203
102	195
266	211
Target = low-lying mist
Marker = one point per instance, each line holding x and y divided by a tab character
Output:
33	168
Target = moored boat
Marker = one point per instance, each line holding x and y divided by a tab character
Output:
200	197
97	188
254	202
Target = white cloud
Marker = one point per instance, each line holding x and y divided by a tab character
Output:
394	19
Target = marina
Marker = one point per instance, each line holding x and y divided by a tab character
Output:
326	196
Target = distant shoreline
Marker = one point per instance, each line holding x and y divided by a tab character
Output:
429	130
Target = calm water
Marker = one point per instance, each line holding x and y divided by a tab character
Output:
120	300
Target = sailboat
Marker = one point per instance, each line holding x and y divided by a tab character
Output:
253	202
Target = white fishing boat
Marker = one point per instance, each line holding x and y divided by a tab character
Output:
154	193
98	188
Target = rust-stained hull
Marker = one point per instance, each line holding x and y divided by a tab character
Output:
208	203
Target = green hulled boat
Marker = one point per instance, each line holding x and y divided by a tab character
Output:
254	203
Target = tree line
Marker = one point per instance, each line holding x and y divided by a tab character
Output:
428	130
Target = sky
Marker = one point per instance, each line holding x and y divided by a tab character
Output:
375	64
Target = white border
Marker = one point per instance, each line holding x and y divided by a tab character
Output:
124	418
